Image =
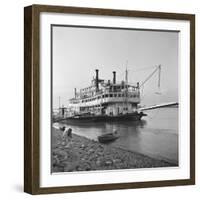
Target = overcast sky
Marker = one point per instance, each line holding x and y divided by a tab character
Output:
77	52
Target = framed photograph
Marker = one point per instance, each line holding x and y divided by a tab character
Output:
109	99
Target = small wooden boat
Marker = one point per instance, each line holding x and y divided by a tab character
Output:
108	137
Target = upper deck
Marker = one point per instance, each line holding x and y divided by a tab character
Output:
101	92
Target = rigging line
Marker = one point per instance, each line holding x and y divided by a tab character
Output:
149	77
121	74
143	69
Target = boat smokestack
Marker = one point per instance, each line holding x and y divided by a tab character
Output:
97	79
75	92
114	77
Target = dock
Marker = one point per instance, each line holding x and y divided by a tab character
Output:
162	105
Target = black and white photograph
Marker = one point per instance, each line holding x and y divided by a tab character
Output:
109	99
115	98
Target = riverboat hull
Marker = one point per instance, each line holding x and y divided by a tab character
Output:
104	118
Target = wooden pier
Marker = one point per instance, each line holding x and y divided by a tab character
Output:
162	105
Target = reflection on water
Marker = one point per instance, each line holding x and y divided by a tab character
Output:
156	135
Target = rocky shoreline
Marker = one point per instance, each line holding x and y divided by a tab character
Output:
88	155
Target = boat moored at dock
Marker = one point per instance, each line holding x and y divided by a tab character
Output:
104	100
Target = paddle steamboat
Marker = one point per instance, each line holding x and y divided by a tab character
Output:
104	100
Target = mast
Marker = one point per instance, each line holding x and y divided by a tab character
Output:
126	73
59	101
126	76
126	86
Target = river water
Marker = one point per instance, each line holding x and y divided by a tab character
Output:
156	135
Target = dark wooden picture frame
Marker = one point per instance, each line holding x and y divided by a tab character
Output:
32	93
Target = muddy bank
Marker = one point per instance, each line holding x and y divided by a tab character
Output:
87	155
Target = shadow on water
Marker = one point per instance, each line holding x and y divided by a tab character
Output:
125	129
140	123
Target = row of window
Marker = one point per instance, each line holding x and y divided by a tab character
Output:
85	92
122	87
94	108
110	96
